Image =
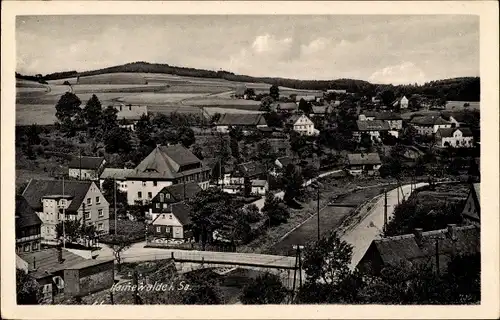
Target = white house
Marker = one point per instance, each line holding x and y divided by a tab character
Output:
260	187
373	128
163	167
246	121
128	114
429	125
359	163
80	200
455	138
403	103
117	174
86	168
303	125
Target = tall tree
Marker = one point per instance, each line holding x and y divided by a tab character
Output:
186	136
67	107
93	112
305	107
275	210
144	129
109	118
27	288
265	289
292	183
117	140
274	92
265	104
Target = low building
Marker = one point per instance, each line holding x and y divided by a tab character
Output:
129	114
284	107
454	137
457	119
173	222
338	91
432	248
79	200
86	168
260	187
282	162
303	125
402	103
118	175
246	121
359	163
28	227
163	167
373	128
472	208
319	111
88	276
429	125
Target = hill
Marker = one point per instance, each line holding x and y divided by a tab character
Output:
461	89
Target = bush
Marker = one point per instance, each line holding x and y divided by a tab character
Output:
135	230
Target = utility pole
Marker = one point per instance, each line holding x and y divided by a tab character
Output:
64	214
135	284
298	265
80	175
385	212
114	191
317	209
437	256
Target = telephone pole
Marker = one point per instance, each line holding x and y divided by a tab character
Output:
298	265
114	191
385	212
80	175
64	214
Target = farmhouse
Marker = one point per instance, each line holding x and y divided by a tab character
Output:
163	167
429	125
308	98
472	208
372	128
173	222
319	111
86	168
118	175
173	194
359	163
80	200
455	138
420	248
129	114
259	187
302	124
402	103
244	120
457	119
28	227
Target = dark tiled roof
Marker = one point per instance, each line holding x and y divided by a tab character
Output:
393	250
86	162
448	132
286	106
251	169
320	109
46	261
360	159
177	191
165	162
180	210
37	189
382	115
116	173
429	120
374	125
25	215
241	119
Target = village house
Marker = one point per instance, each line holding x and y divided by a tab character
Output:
303	125
173	222
402	103
373	128
81	200
457	119
86	168
429	125
307	98
245	172
319	111
420	248
455	138
472	208
118	175
170	195
246	121
63	274
163	167
260	187
129	114
394	120
359	163
28	227
337	91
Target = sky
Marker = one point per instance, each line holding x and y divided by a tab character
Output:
375	48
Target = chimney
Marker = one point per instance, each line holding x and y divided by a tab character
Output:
452	231
418	235
59	254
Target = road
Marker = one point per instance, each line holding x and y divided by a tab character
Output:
260	203
372	225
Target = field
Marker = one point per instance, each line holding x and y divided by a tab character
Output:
164	93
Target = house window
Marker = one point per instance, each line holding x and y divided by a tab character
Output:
157	205
100	226
155	183
27	247
87	215
150	195
165	205
139	195
162	197
158	229
167	195
100	213
170	216
144	183
34	246
97	200
89	201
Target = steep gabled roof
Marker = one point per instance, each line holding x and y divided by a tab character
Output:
179	191
37	189
25	215
374	125
85	162
355	159
115	173
448	132
241	119
285	161
180	210
393	250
